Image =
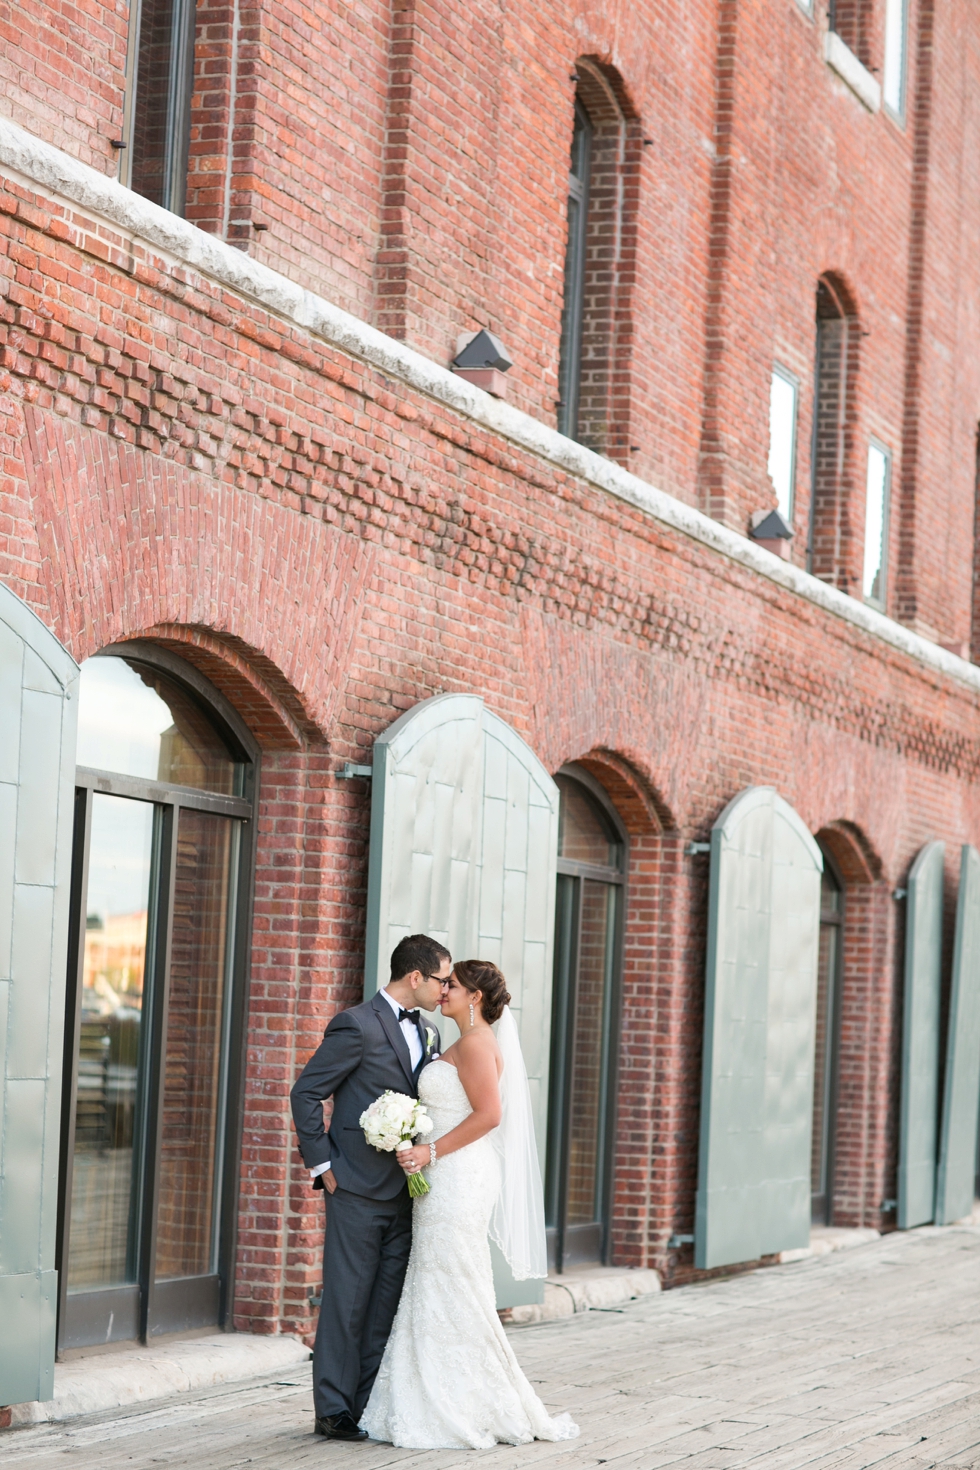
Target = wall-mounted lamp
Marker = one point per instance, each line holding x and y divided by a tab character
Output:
482	360
770	530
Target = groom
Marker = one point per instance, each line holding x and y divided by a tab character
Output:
374	1046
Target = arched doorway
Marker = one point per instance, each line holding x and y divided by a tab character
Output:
592	858
826	1047
161	890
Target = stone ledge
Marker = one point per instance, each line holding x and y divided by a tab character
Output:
55	174
827	1238
841	59
138	1375
583	1291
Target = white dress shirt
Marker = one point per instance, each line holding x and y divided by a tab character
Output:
414	1043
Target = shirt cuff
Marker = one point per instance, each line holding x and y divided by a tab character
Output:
320	1169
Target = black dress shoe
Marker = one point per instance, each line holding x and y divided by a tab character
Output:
339	1426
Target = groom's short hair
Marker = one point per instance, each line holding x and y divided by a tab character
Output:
417	952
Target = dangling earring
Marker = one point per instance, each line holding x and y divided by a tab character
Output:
471	1013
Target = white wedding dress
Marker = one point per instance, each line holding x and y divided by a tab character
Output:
449	1378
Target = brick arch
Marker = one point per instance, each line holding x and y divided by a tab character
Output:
654	1011
867	1076
610	264
642	808
141	546
852	852
255	687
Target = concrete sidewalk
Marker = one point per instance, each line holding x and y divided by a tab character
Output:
858	1358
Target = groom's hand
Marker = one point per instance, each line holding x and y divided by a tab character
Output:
329	1181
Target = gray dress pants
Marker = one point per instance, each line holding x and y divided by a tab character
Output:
365	1256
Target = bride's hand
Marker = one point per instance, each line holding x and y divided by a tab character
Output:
413	1159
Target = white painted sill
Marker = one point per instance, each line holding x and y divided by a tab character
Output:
53	173
841	59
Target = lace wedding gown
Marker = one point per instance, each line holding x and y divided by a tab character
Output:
449	1378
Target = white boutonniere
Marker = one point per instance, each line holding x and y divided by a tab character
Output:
430	1037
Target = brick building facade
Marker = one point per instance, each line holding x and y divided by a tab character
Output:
235	438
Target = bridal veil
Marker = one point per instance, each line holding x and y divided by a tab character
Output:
517	1222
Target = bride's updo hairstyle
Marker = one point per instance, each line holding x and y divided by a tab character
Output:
484	976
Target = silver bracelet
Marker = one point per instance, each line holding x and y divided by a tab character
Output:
432	1153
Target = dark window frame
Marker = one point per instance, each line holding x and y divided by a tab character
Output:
822	1213
562	1034
150	1308
179	91
573	306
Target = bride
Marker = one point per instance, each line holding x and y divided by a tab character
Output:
449	1378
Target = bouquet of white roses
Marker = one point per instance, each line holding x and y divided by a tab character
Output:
391	1123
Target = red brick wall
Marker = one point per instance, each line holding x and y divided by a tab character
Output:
325	543
411	165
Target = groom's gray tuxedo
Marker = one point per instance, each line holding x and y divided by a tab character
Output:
369	1215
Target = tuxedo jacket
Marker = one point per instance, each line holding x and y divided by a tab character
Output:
362	1054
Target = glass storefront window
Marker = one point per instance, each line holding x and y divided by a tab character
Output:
108	1109
135	721
204	890
824	1058
589	909
162	827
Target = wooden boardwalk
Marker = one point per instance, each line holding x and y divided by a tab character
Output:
870	1357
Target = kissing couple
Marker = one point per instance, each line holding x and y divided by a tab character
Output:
407	1283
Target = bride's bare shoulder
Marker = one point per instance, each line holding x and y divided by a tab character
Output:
478	1045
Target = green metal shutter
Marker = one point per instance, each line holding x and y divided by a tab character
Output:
757	1067
517	885
426	800
38	711
920	1039
464	846
956	1178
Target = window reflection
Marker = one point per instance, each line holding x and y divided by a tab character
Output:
135	721
828	964
207	852
107	1087
583	833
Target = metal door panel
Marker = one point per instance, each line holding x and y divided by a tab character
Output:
30	996
37	815
38	681
757	1068
28	1310
86	1314
461	803
11	683
425	818
8	819
39	676
956	1176
23	1169
920	1039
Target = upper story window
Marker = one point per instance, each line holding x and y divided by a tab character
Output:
573	311
874	581
896	43
160	74
832	533
782	439
853	21
594	404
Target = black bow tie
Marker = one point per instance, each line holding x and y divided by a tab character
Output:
404	1015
